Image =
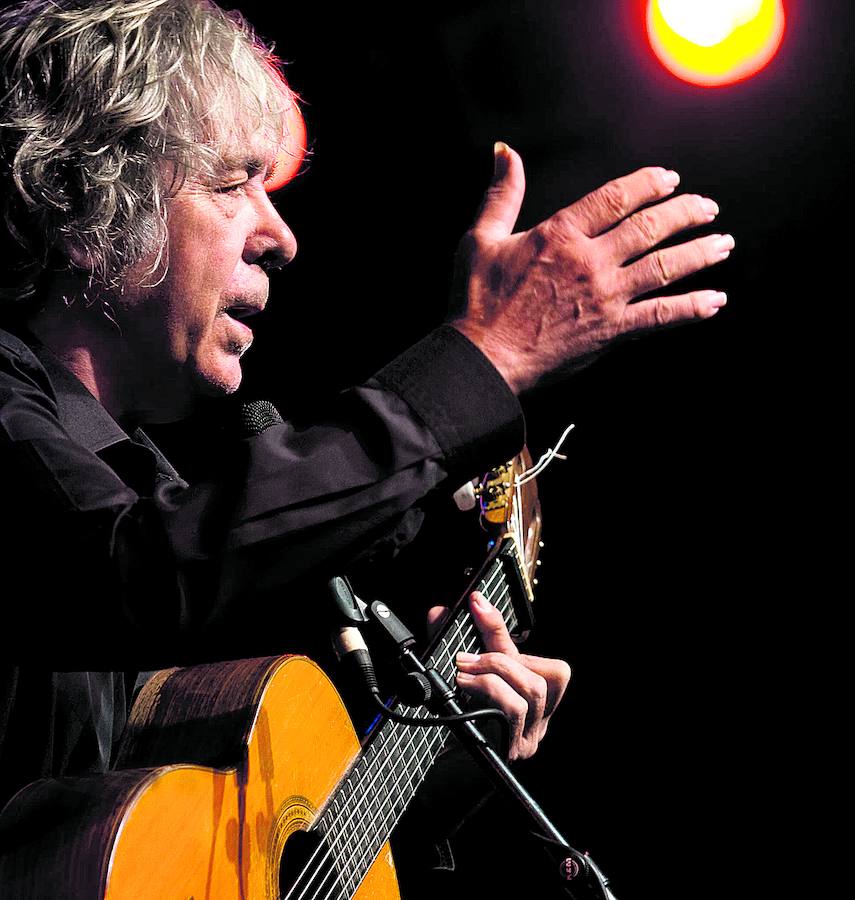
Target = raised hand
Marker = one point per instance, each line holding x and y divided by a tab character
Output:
551	297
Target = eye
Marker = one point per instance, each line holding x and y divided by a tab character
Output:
231	188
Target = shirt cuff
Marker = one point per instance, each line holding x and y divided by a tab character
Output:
459	394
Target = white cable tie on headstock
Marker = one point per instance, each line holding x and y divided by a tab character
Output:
545	460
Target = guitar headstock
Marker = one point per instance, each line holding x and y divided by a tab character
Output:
510	510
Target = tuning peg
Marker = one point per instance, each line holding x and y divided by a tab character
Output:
465	496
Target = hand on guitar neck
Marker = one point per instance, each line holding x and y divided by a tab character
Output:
526	688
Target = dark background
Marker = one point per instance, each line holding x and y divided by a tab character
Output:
677	531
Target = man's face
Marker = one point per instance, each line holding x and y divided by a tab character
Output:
188	330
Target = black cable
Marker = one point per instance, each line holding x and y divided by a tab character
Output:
436	721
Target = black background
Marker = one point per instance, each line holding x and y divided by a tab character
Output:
678	531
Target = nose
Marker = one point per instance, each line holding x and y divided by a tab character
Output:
272	245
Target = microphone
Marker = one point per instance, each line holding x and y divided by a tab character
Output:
257	416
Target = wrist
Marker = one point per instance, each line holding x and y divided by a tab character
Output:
505	360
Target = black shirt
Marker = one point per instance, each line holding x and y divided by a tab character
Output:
113	564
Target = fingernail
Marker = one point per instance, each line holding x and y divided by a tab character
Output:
671	178
723	244
468	658
717	299
463	677
501	158
481	601
710	208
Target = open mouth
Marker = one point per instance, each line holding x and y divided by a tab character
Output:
240	334
243	310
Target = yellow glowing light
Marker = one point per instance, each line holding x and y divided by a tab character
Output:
715	42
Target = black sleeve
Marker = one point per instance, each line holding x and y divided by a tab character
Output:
96	575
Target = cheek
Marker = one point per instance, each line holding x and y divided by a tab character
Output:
205	250
209	262
199	277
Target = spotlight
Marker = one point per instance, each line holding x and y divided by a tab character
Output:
715	42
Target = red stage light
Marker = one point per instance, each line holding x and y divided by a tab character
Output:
290	156
715	42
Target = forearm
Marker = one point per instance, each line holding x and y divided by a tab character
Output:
149	578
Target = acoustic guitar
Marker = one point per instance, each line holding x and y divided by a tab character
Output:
246	781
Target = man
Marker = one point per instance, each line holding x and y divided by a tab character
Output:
138	139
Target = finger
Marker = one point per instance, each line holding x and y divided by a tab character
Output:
663	311
555	673
491	626
648	227
605	207
503	199
672	263
437	617
493	691
525	682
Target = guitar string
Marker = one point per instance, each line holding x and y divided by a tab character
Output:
360	862
351	870
369	848
389	750
387	741
392	809
391	742
393	729
382	756
372	847
351	844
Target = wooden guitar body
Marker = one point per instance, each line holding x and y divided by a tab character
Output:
220	765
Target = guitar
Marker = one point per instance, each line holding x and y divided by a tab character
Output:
246	779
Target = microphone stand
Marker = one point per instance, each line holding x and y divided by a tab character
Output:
579	875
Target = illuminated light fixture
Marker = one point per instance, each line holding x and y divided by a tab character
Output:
715	42
290	157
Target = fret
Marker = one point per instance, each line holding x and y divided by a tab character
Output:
360	816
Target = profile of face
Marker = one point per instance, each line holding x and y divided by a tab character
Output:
187	329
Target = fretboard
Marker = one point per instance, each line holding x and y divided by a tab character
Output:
367	804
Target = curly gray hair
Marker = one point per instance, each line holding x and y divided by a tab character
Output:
98	99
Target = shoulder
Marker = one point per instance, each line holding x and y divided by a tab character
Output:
24	381
17	355
12	346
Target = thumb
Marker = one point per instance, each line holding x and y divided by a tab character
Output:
437	617
504	196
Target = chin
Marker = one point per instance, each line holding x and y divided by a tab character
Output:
222	385
217	380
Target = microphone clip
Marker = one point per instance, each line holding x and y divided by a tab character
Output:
350	608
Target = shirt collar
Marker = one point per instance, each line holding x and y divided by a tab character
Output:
87	421
82	416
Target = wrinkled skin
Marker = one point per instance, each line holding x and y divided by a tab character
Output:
550	298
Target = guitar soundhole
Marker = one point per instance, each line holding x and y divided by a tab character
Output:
299	851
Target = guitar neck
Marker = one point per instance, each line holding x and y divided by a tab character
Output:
364	809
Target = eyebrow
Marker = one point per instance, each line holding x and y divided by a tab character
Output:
251	164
